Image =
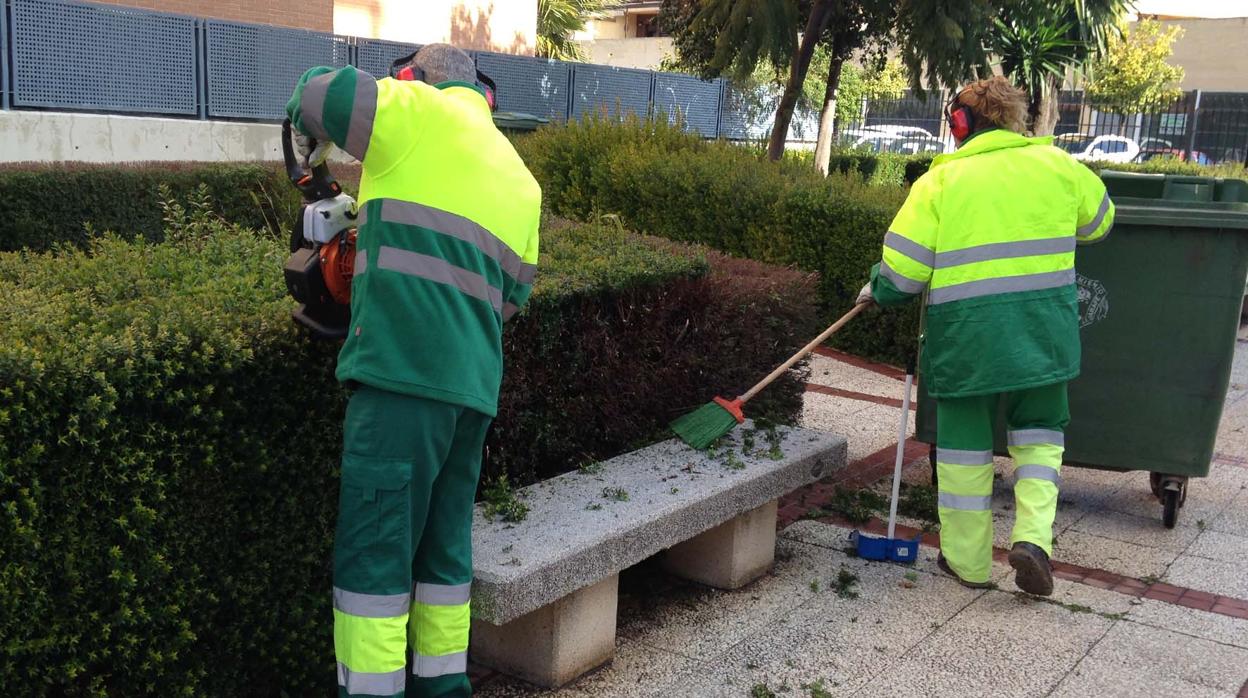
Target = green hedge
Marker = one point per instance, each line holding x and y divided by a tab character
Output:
888	168
669	183
678	186
169	437
46	205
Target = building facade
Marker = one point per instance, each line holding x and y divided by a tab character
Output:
504	26
628	36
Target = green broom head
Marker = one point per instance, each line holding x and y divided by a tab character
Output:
705	425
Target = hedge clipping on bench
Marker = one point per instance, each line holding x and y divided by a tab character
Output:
169	438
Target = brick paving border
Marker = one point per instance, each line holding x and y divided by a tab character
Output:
870	469
858	361
864	397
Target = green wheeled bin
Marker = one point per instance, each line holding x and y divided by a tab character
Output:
1159	302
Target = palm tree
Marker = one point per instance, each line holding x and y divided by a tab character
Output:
1037	42
558	20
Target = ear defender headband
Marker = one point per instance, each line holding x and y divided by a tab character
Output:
403	68
961	118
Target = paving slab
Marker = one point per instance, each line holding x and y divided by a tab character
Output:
1096	552
585	526
1017	645
917	677
1234	518
846	637
1139	530
1193	622
1215	577
636	672
1138	655
701	623
836	374
1221	546
868	427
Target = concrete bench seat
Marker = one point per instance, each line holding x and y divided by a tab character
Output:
544	593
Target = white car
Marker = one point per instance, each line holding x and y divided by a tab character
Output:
1105	148
906	140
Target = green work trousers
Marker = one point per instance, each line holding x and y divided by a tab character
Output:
403	547
1036	420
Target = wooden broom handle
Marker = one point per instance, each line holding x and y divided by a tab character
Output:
801	354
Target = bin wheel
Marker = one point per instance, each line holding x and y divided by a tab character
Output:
931	455
1170	511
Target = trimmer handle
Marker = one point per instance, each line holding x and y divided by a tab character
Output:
315	185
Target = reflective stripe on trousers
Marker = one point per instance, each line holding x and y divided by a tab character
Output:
438	632
1037	455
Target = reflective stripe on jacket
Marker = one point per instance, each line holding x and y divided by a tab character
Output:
989	232
448	232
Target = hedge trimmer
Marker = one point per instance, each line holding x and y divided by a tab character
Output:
322	247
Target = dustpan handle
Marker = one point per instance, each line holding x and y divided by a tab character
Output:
901	450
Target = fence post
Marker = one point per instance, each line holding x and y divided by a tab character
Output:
201	69
719	109
6	82
1193	117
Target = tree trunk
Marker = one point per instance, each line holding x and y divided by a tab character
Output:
1047	111
819	15
827	117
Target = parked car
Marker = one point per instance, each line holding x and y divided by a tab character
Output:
916	145
1105	148
906	140
1155	144
1177	153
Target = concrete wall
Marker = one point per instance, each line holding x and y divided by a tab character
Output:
505	26
305	14
1213	53
629	53
27	136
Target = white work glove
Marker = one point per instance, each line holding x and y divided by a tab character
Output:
312	156
864	296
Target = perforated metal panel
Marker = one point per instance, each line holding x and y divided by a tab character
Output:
529	85
74	56
617	90
252	69
742	117
374	56
694	100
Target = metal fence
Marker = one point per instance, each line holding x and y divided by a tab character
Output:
1204	127
74	56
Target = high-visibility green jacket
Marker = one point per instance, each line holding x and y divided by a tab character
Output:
448	232
989	233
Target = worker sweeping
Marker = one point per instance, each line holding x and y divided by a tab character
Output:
989	234
446	252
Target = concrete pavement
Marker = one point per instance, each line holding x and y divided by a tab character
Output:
1155	611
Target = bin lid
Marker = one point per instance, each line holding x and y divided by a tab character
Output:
518	121
1178	200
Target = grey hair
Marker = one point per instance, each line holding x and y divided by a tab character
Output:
445	63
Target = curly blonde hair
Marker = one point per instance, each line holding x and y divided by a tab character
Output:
996	101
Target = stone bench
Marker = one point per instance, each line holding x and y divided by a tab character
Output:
544	594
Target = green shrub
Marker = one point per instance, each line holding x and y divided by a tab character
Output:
44	205
169	438
725	196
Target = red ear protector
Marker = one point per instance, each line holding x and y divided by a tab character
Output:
402	69
961	119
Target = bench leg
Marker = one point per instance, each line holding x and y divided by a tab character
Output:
730	555
555	644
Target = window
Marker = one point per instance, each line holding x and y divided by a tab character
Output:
648	27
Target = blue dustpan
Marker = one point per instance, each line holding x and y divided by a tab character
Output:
891	548
881	548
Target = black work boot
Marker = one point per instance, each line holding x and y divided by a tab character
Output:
1032	572
943	564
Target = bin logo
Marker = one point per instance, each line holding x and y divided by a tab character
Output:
1093	301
